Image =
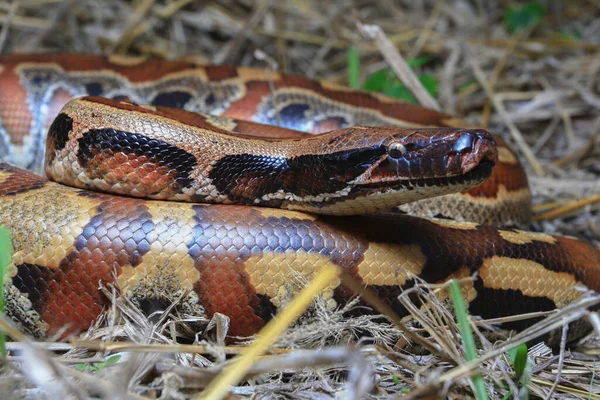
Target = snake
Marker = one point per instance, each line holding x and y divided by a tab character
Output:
228	188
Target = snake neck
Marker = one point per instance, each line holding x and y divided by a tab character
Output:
126	149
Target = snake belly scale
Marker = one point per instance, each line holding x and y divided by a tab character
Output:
241	260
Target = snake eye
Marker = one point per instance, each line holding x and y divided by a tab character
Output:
396	150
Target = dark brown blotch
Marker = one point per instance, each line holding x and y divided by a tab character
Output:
59	131
33	280
20	181
104	143
496	303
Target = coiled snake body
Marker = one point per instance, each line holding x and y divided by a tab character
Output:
241	260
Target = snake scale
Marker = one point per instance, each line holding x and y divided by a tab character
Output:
245	260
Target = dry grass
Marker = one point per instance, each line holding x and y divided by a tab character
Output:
536	89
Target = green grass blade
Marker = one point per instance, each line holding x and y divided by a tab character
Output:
518	359
467	337
353	67
5	257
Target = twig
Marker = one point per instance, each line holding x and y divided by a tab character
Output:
234	45
135	26
297	360
426	31
567	208
561	360
14	5
516	134
219	387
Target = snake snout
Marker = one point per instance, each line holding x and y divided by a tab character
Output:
476	147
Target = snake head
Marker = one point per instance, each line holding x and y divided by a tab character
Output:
441	153
379	168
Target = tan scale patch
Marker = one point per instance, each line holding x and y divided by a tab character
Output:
521	196
281	275
457	123
279	213
506	209
45	242
530	277
126	61
251	74
341	88
524	237
391	264
506	156
191	138
199	73
4	175
167	268
445	223
147	107
467	287
225	123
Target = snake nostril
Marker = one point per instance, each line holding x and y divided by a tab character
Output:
483	134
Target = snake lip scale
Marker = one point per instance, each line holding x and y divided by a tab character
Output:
236	259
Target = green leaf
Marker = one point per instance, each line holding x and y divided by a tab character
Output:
518	359
86	367
419	61
385	81
98	366
6	252
110	361
520	363
467	336
353	67
397	90
430	83
377	81
529	14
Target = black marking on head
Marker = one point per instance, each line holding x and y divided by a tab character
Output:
329	173
175	99
59	130
108	142
249	176
246	176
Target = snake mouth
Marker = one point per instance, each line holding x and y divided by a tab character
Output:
475	176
